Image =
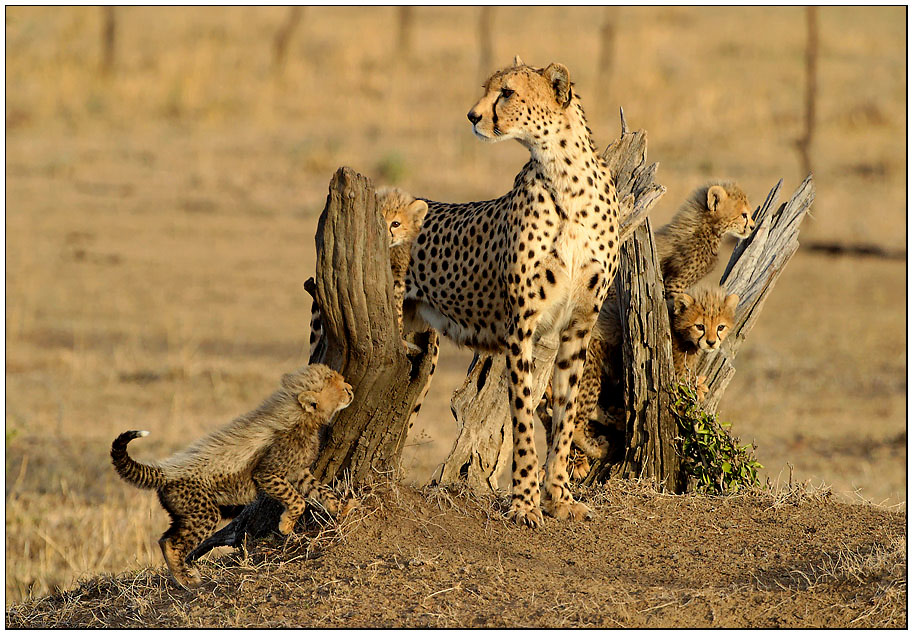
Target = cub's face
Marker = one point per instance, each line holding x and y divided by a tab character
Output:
404	222
731	210
336	394
333	395
522	103
703	321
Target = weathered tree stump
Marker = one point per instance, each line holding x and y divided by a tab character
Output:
361	339
480	406
647	372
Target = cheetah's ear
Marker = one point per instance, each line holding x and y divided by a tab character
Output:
731	301
518	61
417	210
680	303
715	196
308	401
560	79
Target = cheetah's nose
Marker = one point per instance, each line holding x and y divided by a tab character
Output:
474	117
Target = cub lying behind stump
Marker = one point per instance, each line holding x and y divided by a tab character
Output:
269	450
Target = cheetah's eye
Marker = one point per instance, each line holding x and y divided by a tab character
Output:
395	224
506	93
699	327
721	328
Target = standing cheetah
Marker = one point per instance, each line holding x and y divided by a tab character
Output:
497	275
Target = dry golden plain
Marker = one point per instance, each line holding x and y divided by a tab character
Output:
160	221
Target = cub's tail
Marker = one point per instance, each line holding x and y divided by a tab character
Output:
140	474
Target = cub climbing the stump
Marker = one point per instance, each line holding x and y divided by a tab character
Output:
269	450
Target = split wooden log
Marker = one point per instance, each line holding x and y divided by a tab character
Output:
361	339
480	406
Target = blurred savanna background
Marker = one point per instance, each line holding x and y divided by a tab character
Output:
166	167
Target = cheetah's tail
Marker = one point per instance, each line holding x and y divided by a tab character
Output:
139	474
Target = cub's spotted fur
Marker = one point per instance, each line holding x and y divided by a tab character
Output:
688	246
404	215
268	450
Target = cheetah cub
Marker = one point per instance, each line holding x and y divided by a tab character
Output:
269	450
701	319
688	246
404	215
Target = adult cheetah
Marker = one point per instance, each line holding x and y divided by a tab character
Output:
497	275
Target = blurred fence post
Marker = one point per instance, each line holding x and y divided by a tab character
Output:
804	143
405	18
284	35
486	45
108	40
606	60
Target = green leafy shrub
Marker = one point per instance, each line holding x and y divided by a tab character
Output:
711	457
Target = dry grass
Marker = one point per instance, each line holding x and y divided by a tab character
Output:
160	222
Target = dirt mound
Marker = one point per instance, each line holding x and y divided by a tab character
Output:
444	558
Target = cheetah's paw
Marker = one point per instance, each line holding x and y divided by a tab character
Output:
525	514
580	468
568	509
286	523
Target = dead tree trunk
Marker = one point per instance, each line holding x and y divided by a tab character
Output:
480	405
354	291
754	267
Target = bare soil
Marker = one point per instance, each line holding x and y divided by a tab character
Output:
439	558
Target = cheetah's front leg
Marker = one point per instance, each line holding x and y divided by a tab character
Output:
524	504
279	488
569	364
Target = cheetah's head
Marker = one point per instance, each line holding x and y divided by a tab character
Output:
729	206
704	317
320	390
402	213
523	103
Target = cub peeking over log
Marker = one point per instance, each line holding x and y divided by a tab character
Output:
269	450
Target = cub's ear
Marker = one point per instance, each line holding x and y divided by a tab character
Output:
681	302
560	79
731	301
417	210
715	196
517	61
308	401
